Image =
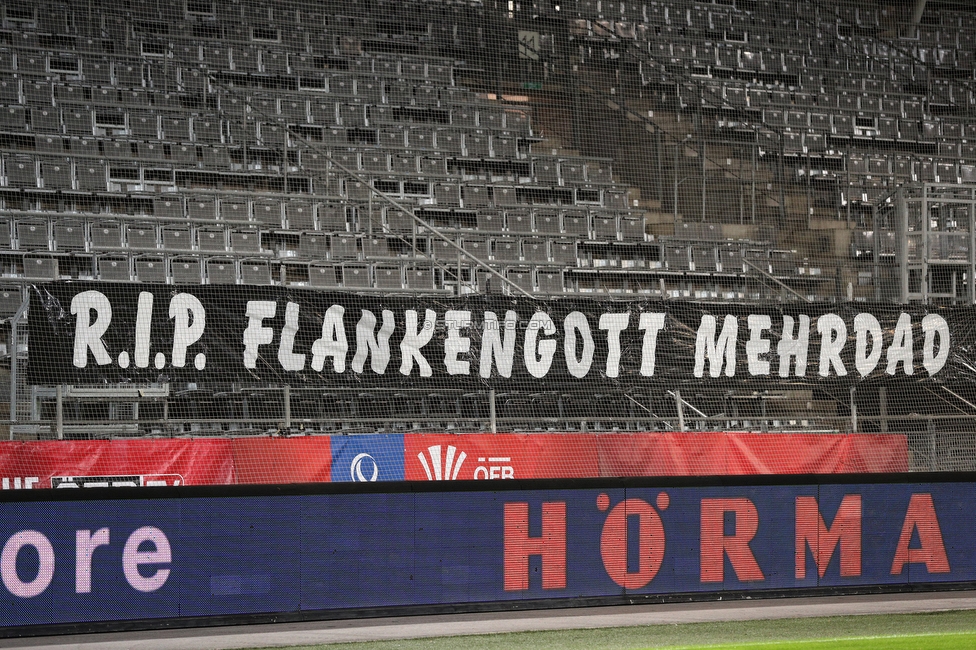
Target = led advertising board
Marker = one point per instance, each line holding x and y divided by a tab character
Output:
69	559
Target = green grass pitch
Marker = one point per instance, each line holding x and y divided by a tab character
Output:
930	631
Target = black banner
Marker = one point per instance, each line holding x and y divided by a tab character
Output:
88	332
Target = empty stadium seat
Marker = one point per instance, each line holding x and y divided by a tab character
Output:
150	269
114	269
388	277
221	271
323	276
40	268
356	276
257	272
245	241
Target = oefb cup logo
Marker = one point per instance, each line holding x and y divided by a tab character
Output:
363	462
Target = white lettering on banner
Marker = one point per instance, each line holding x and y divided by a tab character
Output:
934	325
414	340
573	323
864	325
88	333
26	483
790	347
716	350
538	359
614	324
494	348
143	329
256	334
833	336
456	344
495	469
190	321
651	324
901	348
493	343
333	342
757	345
288	359
377	347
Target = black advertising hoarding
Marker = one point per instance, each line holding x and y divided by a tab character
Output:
88	332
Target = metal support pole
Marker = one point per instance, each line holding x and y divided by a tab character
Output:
762	408
287	397
459	274
13	361
901	244
492	417
809	207
971	285
883	407
925	244
681	410
675	175
59	422
659	142
704	147
853	411
876	253
755	153
782	180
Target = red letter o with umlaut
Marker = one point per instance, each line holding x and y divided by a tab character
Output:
613	544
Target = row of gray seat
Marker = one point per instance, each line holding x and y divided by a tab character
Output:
65	174
381	161
74	235
307	102
103	238
331	117
66	235
391	275
162	58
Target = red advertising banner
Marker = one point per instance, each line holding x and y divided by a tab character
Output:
444	456
730	453
144	462
303	459
308	459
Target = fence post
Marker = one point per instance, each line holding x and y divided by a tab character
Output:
13	361
287	406
492	419
883	406
59	422
681	411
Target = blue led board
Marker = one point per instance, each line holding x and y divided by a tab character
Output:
109	559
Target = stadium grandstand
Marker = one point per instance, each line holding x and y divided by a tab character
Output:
734	152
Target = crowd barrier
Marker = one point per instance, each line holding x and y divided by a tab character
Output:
76	560
421	457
